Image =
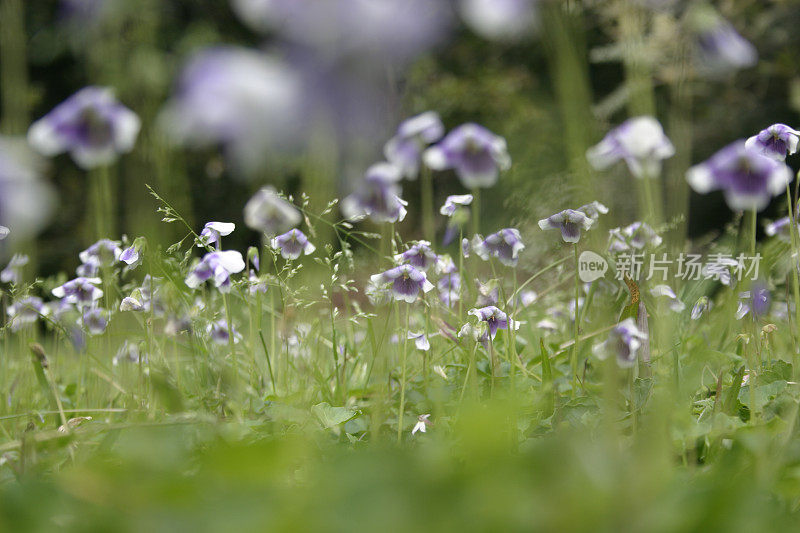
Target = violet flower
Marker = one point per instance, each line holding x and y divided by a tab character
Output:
702	305
406	282
129	352
13	271
570	222
623	343
91	125
94	320
781	228
488	293
404	150
495	319
636	236
757	300
292	244
269	213
718	46
420	340
213	232
476	154
455	202
216	266
777	141
419	255
449	287
505	245
593	210
639	141
24	311
104	253
81	291
748	179
378	196
219	333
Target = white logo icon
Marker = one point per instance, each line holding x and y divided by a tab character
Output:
591	266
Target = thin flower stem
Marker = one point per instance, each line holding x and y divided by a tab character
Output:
795	277
426	186
574	356
403	378
476	211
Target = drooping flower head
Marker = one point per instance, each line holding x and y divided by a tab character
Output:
495	319
242	99
378	196
91	125
405	282
777	141
505	245
419	255
639	141
269	213
748	179
404	150
213	232
218	267
292	244
81	291
476	154
570	222
623	343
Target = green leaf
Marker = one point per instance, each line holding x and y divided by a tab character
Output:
330	416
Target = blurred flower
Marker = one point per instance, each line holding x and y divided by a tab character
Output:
269	213
255	284
505	245
94	320
420	340
500	20
13	271
129	352
439	370
476	154
104	253
24	311
637	236
404	150
639	141
488	293
777	141
757	300
81	291
495	319
132	302
449	287
218	331
242	99
378	196
292	244
701	306
213	232
465	247
623	342
422	424
25	201
405	280
91	125
675	304
781	228
570	222
419	255
593	210
217	265
253	257
748	179
718	47
454	202
131	255
525	298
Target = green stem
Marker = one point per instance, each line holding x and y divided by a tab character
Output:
427	206
574	356
403	379
795	276
476	211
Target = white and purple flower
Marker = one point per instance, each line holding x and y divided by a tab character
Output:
777	141
494	318
639	141
455	202
404	150
476	154
292	244
213	232
419	255
505	245
269	213
748	179
81	291
13	271
24	311
378	196
570	222
91	125
623	343
405	282
218	267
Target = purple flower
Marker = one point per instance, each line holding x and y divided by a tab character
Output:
465	247
454	202
13	271
701	306
777	141
718	47
570	222
213	232
269	213
253	257
129	352
406	282
255	284
476	154
757	300
420	340
378	196
218	331
488	293
104	253
94	320
292	244
24	311
495	319
593	210
623	342
242	99
500	20
217	266
781	228
419	255
635	236
639	141
748	179
81	291
505	245
25	201
449	287
91	125
404	150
